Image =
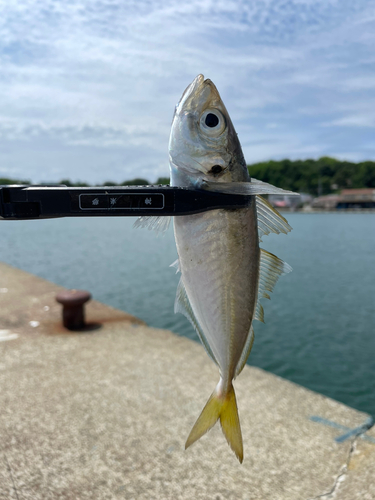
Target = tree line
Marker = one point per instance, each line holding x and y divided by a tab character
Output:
316	177
134	182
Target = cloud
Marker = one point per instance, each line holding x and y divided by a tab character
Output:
353	121
95	82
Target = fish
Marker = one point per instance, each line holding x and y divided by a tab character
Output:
224	272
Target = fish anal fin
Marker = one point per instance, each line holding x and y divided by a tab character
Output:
182	305
223	407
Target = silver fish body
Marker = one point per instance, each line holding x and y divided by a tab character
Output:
219	262
224	273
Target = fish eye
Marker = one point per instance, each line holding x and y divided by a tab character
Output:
212	122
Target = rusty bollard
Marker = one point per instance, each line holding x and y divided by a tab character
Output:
73	308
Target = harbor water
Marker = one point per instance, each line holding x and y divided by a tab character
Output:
320	322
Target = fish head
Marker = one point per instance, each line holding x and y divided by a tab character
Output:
203	143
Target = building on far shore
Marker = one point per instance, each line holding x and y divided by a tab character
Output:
347	199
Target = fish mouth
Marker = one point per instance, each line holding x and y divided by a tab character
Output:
198	95
190	89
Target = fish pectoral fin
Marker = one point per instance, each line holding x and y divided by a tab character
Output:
269	219
182	305
160	224
252	188
271	268
224	408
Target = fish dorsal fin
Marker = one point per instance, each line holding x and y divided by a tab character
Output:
269	219
245	353
259	311
271	268
160	224
183	306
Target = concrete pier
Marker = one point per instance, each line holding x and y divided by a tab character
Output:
104	414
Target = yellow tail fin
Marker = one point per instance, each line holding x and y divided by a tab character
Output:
223	407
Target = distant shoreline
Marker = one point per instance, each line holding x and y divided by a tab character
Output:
322	210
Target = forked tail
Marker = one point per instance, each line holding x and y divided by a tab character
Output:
221	406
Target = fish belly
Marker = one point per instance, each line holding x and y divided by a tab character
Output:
219	261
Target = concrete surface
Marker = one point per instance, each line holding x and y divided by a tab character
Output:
104	414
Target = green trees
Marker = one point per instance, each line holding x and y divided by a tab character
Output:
135	182
162	180
6	180
323	176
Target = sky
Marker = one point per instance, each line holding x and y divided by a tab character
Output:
88	88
